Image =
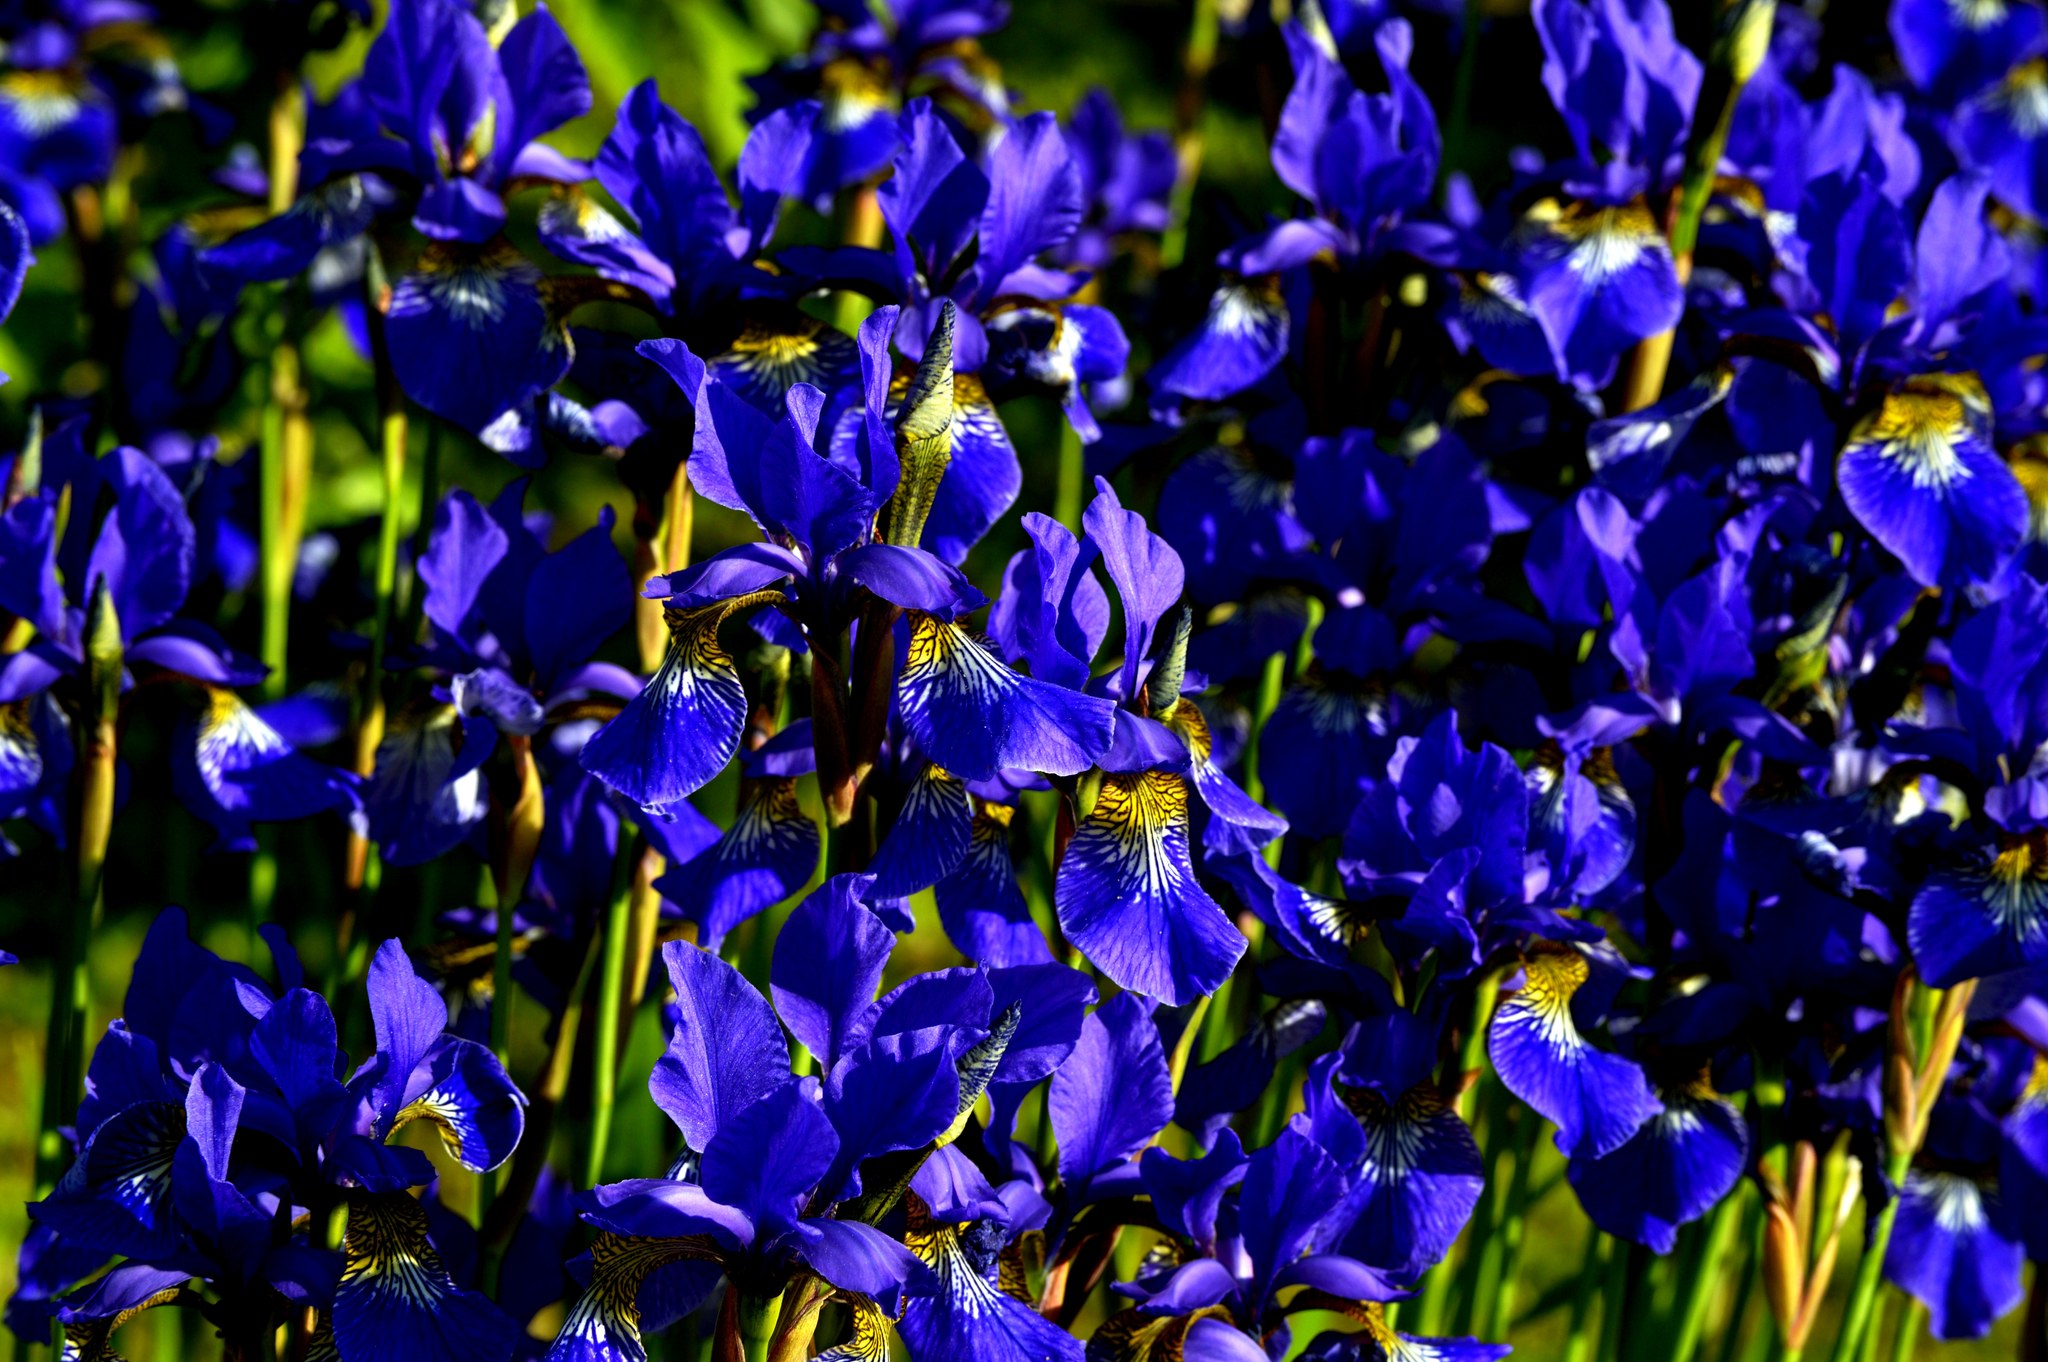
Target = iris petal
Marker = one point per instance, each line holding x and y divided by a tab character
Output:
1238	343
763	858
1671	1172
975	716
1420	1179
972	1318
685	724
1127	895
397	1300
981	906
1922	478
1597	1100
472	335
1983	918
604	1324
929	838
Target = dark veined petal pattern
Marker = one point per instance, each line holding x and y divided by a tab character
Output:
972	1318
117	1196
685	724
1597	1100
472	334
604	1324
974	716
1420	1179
1127	895
397	1300
766	361
764	857
1983	918
980	904
929	838
1921	475
867	1334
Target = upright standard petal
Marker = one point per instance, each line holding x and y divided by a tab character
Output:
1127	896
828	963
1113	1094
726	1052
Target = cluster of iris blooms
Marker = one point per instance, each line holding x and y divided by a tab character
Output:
1581	671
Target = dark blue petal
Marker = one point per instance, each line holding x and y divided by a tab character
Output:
827	965
1921	475
981	906
974	716
765	856
1947	1253
1127	895
1597	1100
232	769
726	1052
1987	916
686	723
1112	1095
1671	1172
1239	342
929	838
471	334
970	1317
1420	1178
396	1297
767	1157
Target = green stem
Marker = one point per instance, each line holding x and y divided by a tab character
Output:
1859	1313
1512	1231
422	531
1579	1338
1614	1301
756	1317
1184	1048
278	518
71	985
1461	89
1705	1280
611	978
1073	478
1198	57
1271	680
1912	1324
1742	39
